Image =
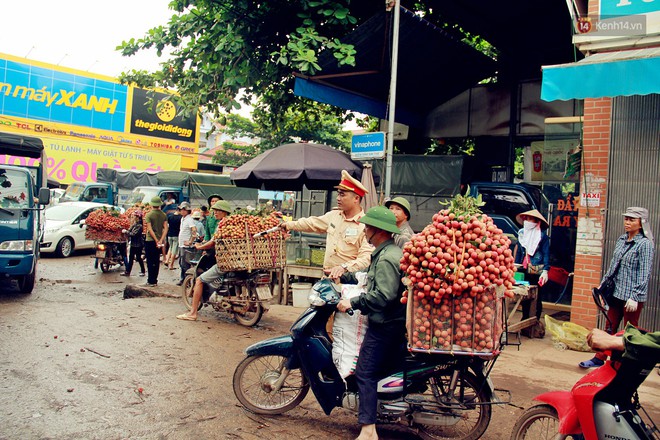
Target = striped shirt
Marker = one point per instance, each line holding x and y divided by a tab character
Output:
632	279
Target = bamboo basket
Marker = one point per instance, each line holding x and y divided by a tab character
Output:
251	253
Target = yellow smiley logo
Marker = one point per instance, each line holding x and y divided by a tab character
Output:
166	110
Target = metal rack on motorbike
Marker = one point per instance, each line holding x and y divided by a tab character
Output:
110	247
246	285
468	340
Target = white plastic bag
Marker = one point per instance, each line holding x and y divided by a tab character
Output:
348	331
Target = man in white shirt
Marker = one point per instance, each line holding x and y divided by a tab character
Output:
187	236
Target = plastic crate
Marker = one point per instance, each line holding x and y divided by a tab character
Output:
463	325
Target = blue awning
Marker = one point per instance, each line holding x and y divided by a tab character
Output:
623	73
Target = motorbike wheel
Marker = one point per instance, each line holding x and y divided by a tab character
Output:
253	381
187	294
251	316
469	416
538	422
105	267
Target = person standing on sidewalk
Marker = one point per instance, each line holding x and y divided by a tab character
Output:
157	226
187	237
631	269
401	209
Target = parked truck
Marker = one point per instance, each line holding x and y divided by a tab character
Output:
23	194
194	188
100	192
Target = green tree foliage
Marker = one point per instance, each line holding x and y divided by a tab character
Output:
313	122
219	47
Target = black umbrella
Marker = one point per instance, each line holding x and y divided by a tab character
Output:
289	167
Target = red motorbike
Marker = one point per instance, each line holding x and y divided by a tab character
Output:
603	404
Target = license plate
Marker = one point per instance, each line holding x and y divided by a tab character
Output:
263	292
100	254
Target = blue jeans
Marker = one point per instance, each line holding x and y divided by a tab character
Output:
383	348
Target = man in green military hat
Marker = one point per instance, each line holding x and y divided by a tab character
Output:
157	226
401	209
385	341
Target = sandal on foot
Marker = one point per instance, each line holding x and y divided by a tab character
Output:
186	317
591	363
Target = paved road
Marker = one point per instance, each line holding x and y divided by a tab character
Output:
74	355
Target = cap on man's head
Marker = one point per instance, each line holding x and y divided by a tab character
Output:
184	205
197	215
222	205
636	212
156	201
402	202
349	183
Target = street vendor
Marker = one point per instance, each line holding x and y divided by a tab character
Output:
533	253
401	209
211	222
347	248
221	209
385	340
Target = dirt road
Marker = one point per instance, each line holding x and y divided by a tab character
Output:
79	362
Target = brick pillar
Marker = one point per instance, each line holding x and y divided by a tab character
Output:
590	231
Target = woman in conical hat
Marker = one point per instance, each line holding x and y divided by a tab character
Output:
533	253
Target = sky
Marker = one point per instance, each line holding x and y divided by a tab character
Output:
81	34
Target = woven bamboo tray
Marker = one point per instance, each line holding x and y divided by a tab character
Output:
250	253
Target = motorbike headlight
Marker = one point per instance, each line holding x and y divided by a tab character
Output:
16	245
315	299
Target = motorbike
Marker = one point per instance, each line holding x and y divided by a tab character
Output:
108	254
603	404
433	395
241	293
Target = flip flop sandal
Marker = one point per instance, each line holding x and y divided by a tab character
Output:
186	317
591	363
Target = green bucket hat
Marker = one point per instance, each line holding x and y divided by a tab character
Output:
381	218
156	201
222	205
401	202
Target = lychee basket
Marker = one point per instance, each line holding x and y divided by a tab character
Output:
251	253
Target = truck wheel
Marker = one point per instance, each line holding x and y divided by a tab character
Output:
65	247
26	282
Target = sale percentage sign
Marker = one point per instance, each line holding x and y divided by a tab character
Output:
55	169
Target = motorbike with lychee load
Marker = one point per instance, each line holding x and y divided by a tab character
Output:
433	395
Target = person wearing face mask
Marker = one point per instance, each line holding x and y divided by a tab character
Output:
631	270
533	253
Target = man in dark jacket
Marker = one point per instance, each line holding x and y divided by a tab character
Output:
385	340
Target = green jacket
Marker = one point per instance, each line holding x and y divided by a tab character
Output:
382	300
211	226
641	346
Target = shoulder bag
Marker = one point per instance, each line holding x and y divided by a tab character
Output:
606	289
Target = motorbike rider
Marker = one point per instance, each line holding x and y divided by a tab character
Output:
221	209
635	344
385	339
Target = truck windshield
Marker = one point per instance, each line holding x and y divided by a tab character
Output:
14	189
73	192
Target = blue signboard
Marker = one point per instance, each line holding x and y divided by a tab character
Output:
368	146
627	7
42	94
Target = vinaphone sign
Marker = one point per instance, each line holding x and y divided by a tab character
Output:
90	121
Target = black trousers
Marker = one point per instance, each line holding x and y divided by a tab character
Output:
382	349
152	253
135	255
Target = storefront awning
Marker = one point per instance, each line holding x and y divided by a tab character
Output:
433	66
624	73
